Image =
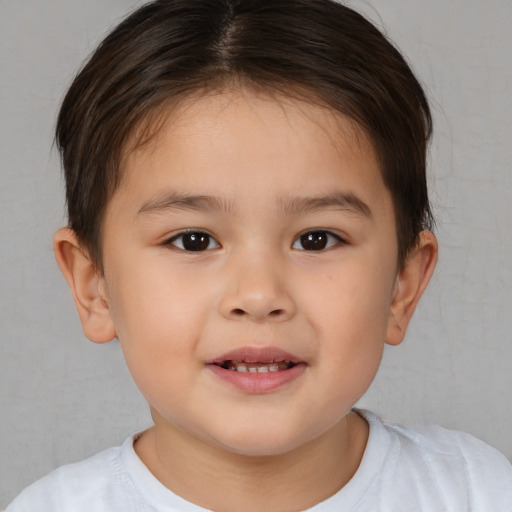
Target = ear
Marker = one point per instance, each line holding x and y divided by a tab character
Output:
410	285
87	285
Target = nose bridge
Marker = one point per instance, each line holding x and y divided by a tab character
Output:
257	287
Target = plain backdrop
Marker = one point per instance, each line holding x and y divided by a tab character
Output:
63	398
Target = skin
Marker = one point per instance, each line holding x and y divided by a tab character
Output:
265	163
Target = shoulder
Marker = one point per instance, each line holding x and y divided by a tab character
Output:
436	444
457	465
97	483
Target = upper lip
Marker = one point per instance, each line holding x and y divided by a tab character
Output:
267	355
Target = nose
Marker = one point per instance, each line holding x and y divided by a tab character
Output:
257	289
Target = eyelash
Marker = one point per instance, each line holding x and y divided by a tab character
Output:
198	237
320	239
324	240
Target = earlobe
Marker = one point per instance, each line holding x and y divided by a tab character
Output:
87	285
410	285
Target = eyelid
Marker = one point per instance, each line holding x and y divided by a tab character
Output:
172	239
340	240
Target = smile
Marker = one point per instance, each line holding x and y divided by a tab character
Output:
257	370
245	367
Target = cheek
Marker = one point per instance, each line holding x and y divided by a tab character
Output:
354	297
158	319
350	312
153	299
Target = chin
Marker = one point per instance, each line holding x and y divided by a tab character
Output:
262	442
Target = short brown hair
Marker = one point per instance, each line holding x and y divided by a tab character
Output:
169	49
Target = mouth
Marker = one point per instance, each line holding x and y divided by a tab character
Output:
256	360
257	369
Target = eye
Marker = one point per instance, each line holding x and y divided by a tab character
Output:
316	241
194	241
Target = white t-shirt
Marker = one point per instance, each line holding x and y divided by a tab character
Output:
403	469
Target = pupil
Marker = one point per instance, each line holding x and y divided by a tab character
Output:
196	242
314	241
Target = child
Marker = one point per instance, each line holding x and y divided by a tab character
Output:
248	215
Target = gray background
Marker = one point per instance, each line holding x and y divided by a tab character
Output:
63	398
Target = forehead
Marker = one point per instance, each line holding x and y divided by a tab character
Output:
236	118
237	145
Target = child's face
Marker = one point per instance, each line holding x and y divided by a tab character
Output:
295	259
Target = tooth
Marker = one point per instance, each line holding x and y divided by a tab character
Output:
245	367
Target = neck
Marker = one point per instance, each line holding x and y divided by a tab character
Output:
219	480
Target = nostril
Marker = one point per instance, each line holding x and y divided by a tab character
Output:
241	312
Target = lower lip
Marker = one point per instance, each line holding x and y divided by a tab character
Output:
258	383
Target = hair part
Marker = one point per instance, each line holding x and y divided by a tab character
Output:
318	51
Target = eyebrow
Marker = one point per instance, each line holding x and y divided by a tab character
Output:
176	201
289	205
336	200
